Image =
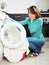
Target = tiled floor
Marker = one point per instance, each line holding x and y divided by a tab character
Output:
42	59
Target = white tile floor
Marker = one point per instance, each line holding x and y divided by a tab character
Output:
42	59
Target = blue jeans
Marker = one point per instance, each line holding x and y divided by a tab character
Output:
35	44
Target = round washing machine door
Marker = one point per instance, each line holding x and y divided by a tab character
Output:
13	34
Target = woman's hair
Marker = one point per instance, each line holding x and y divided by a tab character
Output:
34	10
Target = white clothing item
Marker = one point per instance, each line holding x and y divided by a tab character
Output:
4	18
2	15
1	51
15	43
15	55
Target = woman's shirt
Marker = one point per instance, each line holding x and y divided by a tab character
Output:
35	27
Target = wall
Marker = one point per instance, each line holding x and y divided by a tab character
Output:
42	4
18	6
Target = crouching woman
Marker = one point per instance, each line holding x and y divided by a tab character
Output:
35	24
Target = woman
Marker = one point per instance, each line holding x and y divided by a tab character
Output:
35	24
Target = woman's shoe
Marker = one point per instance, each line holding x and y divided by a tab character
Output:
34	54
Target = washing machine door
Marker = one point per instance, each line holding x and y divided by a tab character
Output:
10	32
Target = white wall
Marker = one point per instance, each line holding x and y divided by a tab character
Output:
18	6
42	4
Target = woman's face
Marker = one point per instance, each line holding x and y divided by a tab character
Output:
32	16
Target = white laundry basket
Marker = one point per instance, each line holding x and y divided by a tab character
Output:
14	51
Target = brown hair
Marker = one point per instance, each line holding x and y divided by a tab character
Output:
34	10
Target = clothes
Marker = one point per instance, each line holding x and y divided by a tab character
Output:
34	27
16	54
1	51
36	41
35	44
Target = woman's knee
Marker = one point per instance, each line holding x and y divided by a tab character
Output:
42	43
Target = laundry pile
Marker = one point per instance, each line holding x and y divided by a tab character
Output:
3	19
13	42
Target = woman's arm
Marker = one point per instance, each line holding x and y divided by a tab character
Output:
24	22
